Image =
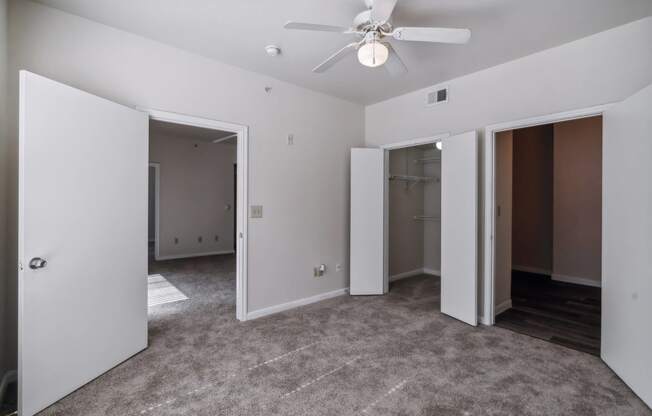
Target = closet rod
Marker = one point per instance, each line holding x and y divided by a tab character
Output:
426	218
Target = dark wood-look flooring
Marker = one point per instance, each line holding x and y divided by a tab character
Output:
562	313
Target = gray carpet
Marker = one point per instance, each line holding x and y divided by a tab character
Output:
391	355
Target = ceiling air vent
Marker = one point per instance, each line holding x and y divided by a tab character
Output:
438	96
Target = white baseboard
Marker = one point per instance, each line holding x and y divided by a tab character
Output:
576	280
431	272
535	270
502	307
296	303
415	272
9	377
187	256
405	275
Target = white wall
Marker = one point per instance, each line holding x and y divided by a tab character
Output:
303	188
196	196
5	295
605	67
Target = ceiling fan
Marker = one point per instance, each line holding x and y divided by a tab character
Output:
373	26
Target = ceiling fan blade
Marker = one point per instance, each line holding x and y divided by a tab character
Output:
316	27
432	34
394	64
382	10
336	57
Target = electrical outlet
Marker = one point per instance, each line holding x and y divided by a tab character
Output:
290	139
217	238
256	211
319	271
176	240
200	239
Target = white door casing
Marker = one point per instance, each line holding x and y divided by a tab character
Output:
367	222
459	227
83	208
627	242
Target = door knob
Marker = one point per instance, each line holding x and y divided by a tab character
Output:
37	263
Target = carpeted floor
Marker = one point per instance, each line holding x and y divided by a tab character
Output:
380	355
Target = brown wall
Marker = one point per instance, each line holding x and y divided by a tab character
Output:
577	206
532	198
503	221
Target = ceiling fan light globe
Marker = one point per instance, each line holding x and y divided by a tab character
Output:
373	54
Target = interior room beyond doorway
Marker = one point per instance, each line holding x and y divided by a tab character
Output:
548	213
192	221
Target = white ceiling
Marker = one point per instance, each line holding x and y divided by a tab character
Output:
236	32
198	134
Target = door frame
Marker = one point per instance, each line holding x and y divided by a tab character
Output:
489	200
157	190
242	192
386	148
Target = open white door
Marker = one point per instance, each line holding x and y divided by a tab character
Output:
82	239
367	204
627	242
459	228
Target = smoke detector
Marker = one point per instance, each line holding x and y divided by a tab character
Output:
272	50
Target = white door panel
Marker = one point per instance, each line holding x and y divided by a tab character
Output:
367	203
83	208
459	230
627	242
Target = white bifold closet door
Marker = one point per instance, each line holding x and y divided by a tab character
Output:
627	242
459	227
82	239
367	219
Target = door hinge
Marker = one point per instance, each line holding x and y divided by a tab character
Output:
20	266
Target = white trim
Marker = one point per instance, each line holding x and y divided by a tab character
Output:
296	303
157	193
535	270
415	272
503	306
242	192
489	189
405	275
415	142
191	255
9	377
584	281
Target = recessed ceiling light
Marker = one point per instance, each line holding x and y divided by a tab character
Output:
272	50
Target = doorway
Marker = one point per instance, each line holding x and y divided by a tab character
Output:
372	178
414	219
548	223
199	209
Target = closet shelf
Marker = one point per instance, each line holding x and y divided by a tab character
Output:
409	178
427	218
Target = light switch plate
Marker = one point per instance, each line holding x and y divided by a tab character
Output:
256	211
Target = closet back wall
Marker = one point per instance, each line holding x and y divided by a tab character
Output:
405	201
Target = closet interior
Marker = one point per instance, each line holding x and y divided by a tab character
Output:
414	216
